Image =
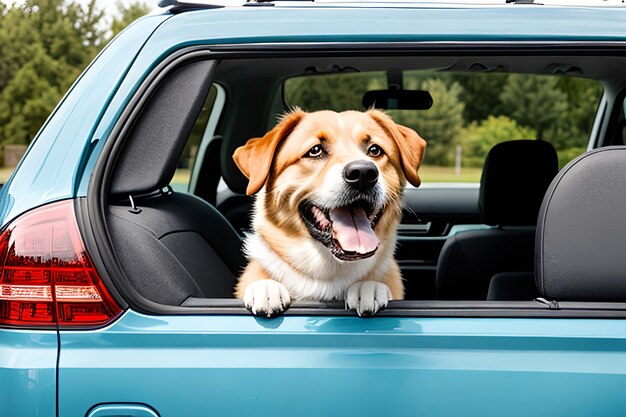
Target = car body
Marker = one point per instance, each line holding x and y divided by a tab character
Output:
421	359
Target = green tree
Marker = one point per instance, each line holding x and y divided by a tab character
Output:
440	125
583	98
481	94
336	92
45	45
478	138
30	95
534	101
128	14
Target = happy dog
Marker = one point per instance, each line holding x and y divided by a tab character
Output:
329	198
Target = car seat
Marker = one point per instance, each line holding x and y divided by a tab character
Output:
171	245
515	177
581	231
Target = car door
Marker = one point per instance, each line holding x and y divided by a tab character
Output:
417	358
310	365
28	371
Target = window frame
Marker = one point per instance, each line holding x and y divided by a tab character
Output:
92	207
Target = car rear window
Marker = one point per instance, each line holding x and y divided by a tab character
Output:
471	112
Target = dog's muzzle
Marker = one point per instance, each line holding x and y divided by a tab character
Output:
345	223
348	231
361	175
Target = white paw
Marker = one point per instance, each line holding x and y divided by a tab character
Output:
367	297
266	297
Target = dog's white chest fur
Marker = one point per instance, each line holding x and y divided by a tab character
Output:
320	276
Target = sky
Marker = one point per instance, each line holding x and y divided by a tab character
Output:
110	6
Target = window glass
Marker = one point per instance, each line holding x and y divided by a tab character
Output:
181	179
471	112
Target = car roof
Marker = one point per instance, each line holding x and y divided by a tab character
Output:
391	22
194	5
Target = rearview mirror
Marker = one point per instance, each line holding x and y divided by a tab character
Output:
397	99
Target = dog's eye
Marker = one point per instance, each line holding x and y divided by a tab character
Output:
315	152
374	151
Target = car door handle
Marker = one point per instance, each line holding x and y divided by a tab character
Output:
123	410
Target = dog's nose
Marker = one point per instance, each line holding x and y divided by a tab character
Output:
361	175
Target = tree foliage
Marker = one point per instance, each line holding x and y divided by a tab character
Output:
481	93
441	124
128	14
535	101
336	92
475	110
479	137
45	45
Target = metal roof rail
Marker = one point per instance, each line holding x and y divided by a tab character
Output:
176	6
276	1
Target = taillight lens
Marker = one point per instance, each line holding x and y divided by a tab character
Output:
46	275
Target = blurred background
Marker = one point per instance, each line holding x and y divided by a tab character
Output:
44	46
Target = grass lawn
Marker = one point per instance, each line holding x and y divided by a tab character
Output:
447	174
427	174
181	176
5	173
181	179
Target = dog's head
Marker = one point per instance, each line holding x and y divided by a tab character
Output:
336	177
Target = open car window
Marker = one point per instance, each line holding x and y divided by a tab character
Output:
432	219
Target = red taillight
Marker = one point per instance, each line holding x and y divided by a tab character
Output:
46	275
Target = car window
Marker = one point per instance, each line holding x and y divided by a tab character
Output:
471	112
201	127
429	218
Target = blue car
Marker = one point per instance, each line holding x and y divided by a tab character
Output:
122	226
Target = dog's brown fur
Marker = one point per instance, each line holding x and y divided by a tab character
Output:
282	177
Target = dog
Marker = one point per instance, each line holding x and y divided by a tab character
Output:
328	201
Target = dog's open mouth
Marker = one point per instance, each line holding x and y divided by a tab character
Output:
348	231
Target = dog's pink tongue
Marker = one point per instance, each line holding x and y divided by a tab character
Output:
353	230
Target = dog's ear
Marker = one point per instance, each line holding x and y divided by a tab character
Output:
410	144
254	159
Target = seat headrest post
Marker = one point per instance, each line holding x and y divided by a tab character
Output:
133	207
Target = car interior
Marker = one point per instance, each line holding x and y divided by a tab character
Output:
176	210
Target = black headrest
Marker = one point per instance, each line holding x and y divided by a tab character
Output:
233	177
210	172
154	146
514	180
581	233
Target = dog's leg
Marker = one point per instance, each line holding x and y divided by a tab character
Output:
261	295
370	295
394	282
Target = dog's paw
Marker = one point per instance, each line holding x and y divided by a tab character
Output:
266	298
367	297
